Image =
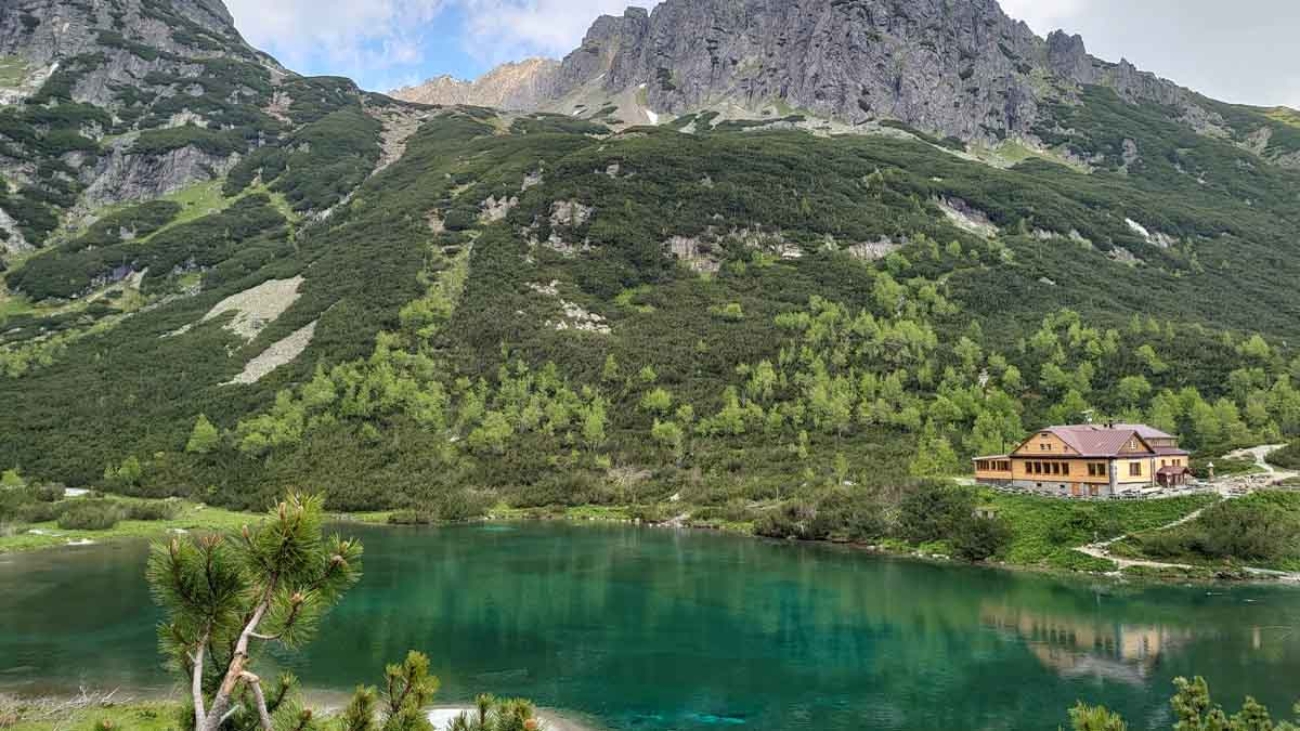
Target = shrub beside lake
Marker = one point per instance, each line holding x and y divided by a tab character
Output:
91	515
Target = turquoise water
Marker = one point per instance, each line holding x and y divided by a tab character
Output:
659	630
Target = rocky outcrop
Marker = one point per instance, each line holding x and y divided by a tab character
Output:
958	67
11	238
280	353
121	177
46	31
1068	58
257	307
952	67
133	60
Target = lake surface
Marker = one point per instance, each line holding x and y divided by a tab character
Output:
655	630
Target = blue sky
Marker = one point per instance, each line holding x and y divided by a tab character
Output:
1239	51
383	44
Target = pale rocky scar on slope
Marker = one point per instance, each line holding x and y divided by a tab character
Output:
257	307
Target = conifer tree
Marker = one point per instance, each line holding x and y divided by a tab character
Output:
204	438
226	596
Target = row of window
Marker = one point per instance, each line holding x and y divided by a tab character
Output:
1057	468
1095	469
1048	468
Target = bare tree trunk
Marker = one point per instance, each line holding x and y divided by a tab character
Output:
235	672
255	683
196	683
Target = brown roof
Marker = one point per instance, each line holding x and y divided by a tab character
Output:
1144	431
1093	440
1174	471
1171	452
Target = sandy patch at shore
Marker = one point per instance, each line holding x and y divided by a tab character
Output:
552	721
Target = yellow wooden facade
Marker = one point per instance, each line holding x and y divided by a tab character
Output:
1045	462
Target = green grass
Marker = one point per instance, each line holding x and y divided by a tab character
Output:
192	517
12	304
378	517
130	716
577	513
1225	466
1011	153
197	201
144	716
1046	530
1172	573
13	71
1285	503
1285	116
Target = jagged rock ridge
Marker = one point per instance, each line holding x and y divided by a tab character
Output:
956	67
522	85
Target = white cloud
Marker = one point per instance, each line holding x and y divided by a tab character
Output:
352	36
379	41
501	30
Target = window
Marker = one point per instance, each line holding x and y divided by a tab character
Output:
1065	469
1097	469
1135	469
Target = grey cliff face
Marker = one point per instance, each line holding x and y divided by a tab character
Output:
959	67
954	67
44	31
120	177
1069	59
130	42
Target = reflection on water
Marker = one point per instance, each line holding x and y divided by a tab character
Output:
658	630
1077	647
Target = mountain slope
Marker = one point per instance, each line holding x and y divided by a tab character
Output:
445	308
130	100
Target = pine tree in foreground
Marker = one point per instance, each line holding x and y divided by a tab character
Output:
228	596
1195	711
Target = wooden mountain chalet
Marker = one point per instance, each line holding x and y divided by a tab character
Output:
1089	460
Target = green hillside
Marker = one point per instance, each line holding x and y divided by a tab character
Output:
449	355
542	310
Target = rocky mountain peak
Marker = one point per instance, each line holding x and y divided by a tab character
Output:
518	85
953	67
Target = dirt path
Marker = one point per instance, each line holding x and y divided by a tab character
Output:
1260	456
1102	550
